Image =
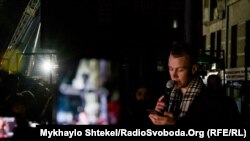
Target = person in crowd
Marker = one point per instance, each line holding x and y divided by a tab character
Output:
189	102
216	89
139	104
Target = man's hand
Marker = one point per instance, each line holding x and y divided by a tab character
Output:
167	119
161	105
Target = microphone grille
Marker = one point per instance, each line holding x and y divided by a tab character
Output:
170	84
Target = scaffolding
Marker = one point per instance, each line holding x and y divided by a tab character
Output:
26	19
28	25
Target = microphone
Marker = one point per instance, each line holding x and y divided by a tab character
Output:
169	86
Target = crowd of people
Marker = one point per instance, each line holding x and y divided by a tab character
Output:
27	100
190	102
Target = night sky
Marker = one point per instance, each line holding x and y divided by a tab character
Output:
138	32
100	28
110	28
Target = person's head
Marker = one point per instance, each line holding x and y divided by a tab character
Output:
141	91
182	64
141	94
214	82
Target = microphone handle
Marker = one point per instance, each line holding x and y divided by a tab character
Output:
167	98
167	95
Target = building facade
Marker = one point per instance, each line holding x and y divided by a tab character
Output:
226	37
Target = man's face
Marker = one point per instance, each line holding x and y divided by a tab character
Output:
142	94
180	70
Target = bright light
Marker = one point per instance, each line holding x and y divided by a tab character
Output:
47	66
213	67
175	24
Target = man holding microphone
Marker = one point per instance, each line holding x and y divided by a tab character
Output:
189	102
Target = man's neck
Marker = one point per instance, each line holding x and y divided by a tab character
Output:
184	90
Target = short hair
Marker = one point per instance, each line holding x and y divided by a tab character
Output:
213	80
182	49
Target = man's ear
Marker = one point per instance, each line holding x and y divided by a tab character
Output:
195	69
